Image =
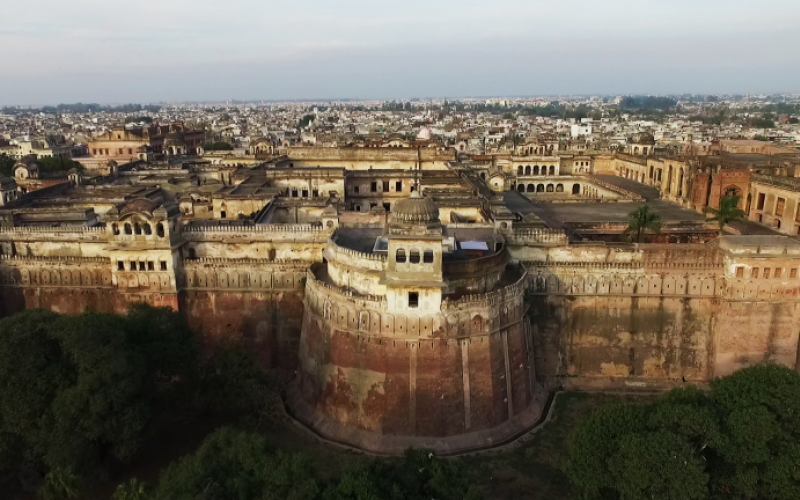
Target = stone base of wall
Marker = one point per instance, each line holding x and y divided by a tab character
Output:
383	444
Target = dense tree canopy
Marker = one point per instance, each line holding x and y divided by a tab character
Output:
76	391
235	465
738	441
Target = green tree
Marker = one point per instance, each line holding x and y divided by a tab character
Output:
235	465
738	441
728	211
231	381
59	484
419	475
76	391
58	164
6	165
641	220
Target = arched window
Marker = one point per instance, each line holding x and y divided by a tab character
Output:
559	188
536	170
521	188
427	257
413	257
137	229
527	170
576	189
530	188
400	257
147	229
519	170
549	188
540	188
552	170
160	230
115	228
128	229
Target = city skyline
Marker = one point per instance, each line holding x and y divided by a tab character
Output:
188	51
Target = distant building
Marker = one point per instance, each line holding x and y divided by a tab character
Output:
122	144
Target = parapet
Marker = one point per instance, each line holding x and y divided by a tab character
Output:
760	246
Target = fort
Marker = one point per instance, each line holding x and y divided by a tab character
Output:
422	297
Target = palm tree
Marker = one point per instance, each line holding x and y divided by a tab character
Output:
59	484
728	211
132	490
641	220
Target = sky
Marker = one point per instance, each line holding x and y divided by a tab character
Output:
106	51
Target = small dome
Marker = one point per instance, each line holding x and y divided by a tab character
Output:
424	134
417	208
139	205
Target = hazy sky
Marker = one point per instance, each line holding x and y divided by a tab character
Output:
109	51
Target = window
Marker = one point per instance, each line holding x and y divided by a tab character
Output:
398	186
385	186
132	266
355	189
372	205
414	257
373	187
779	206
766	273
358	208
754	273
400	256
151	266
427	257
223	214
141	265
163	265
305	193
315	194
760	205
160	228
387	207
778	272
740	272
130	151
120	265
128	229
793	273
413	300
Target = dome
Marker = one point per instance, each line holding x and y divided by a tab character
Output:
415	209
140	206
424	134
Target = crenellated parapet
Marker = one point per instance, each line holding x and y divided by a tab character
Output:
241	274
